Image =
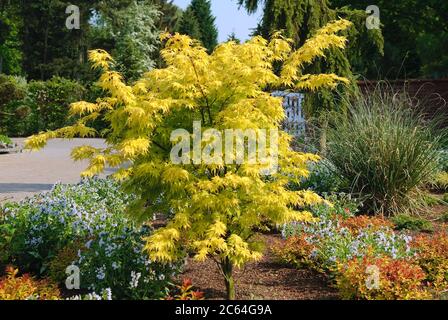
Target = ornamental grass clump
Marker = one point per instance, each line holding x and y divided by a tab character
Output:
385	150
216	207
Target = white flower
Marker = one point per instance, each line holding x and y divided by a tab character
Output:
93	296
135	277
107	293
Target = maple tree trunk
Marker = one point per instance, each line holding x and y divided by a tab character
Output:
227	269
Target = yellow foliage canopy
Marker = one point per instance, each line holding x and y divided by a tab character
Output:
214	209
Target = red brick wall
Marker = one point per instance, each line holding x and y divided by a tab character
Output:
430	95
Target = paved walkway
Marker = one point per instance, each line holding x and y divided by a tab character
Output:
27	173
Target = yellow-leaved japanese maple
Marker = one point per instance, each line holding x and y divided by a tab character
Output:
213	209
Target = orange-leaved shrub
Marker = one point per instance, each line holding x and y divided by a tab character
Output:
186	291
294	251
432	257
397	279
25	287
65	257
358	223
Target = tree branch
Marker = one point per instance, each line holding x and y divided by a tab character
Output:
202	92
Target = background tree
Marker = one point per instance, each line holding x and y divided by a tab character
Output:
204	16
214	209
299	20
10	43
170	15
49	49
189	25
365	47
130	33
233	37
414	31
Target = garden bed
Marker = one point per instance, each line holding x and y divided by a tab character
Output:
7	150
263	280
8	146
318	260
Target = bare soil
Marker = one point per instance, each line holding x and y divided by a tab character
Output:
263	280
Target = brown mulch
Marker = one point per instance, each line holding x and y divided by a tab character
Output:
434	215
263	280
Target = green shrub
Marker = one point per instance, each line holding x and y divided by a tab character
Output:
85	225
5	140
6	233
322	178
444	216
439	182
13	91
28	108
385	150
342	205
443	160
38	105
50	102
407	222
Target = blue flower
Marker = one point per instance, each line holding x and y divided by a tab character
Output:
101	273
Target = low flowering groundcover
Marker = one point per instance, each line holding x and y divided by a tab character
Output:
355	250
86	226
335	243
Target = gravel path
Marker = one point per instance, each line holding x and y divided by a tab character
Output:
24	174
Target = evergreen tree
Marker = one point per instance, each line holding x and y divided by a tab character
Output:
188	24
126	27
233	37
416	36
203	13
170	15
10	43
48	47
